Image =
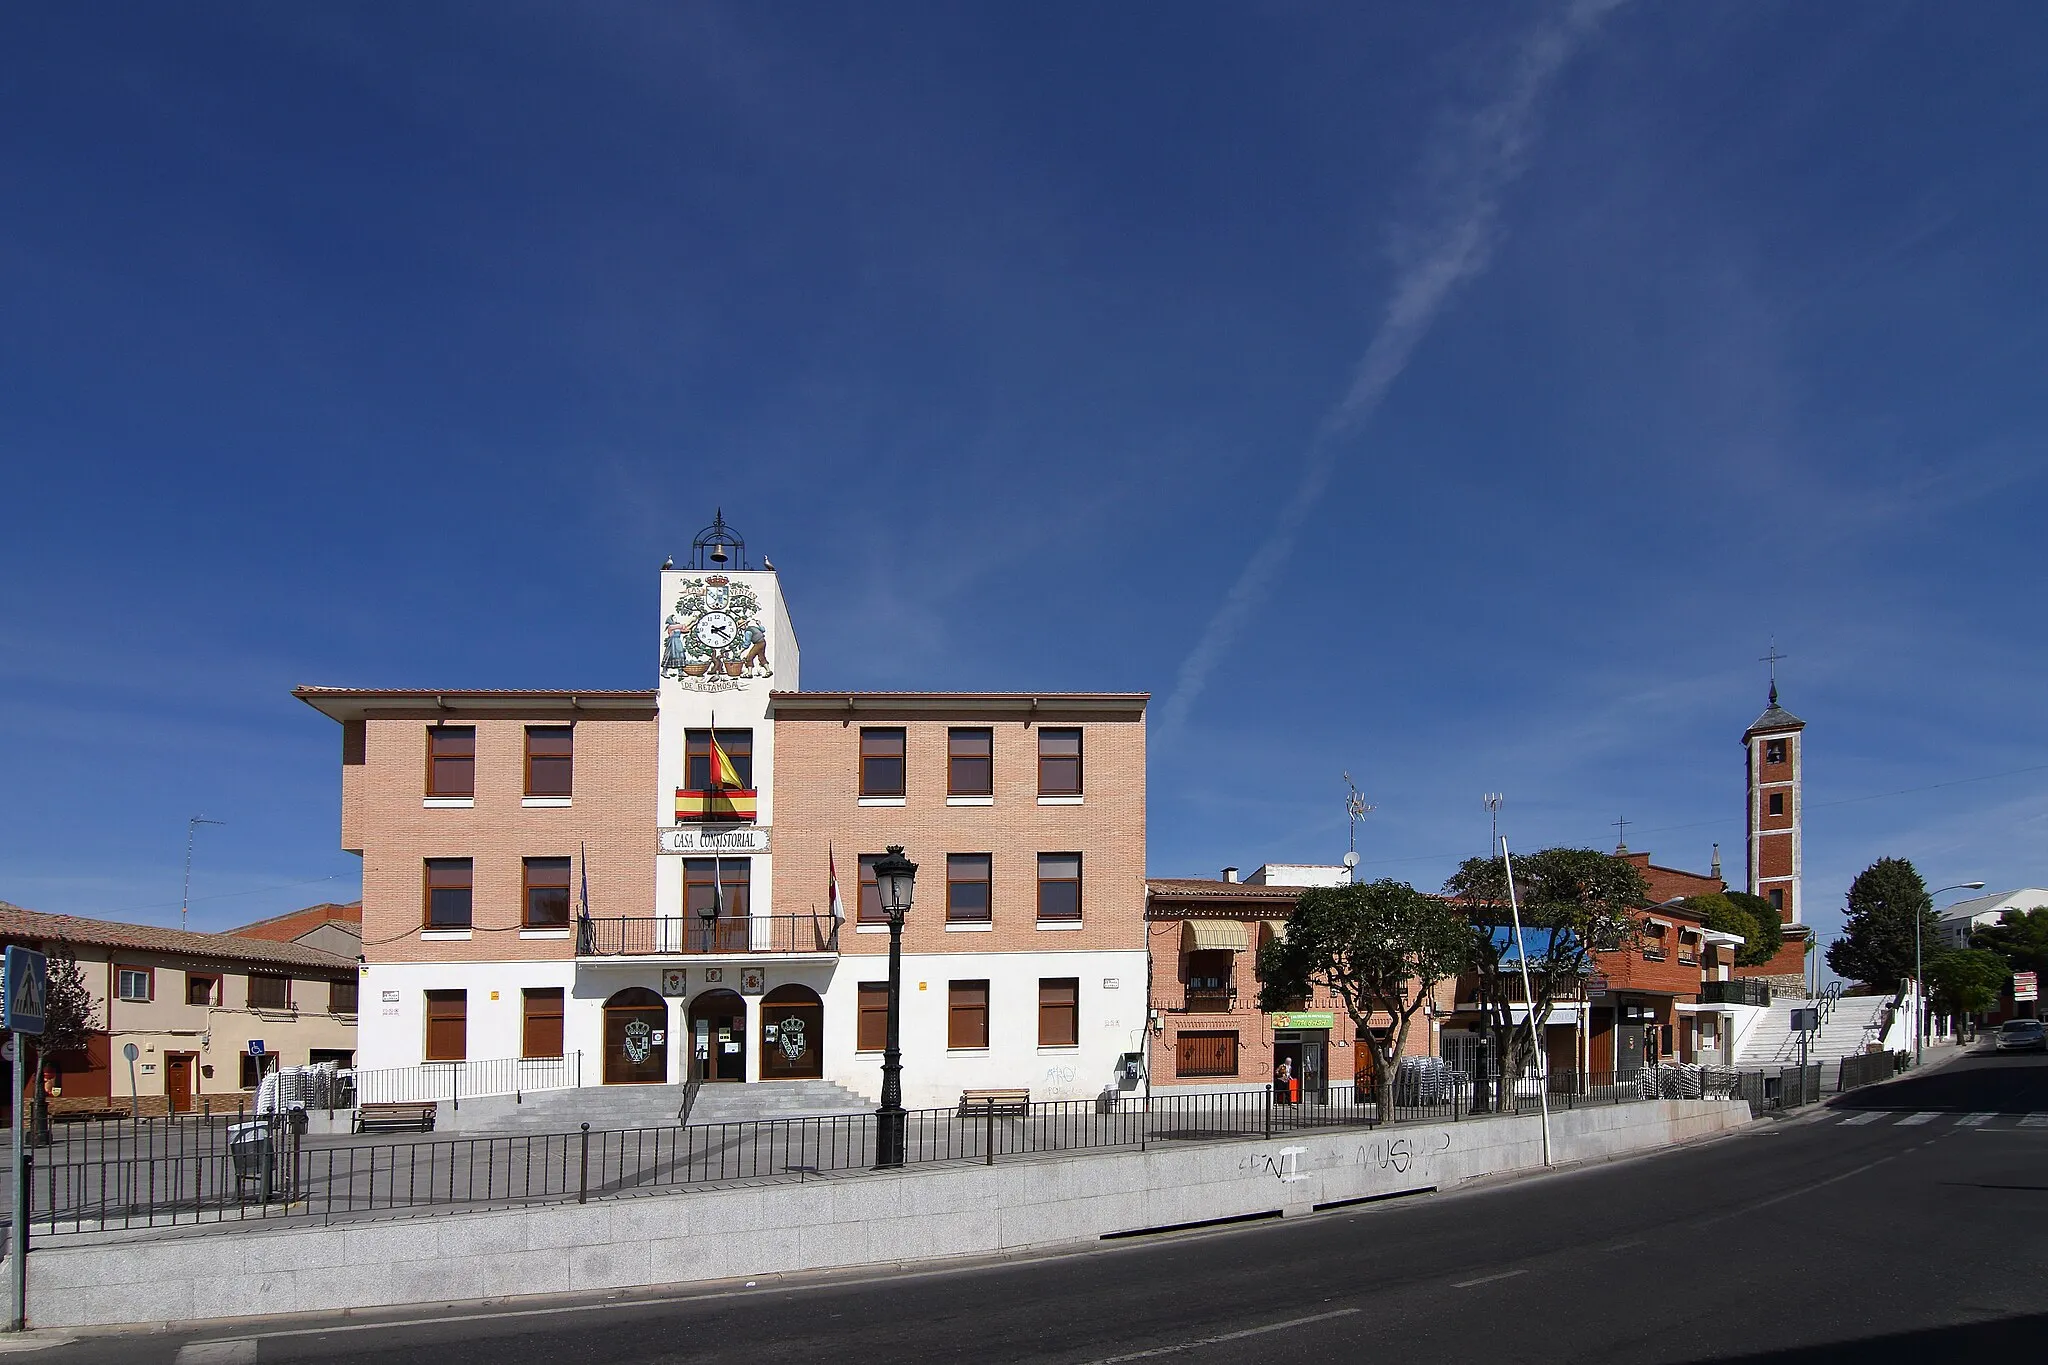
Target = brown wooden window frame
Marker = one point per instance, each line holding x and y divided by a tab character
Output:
1052	767
1222	1044
872	785
444	746
1059	1011
252	1071
148	975
868	908
459	1016
546	1007
283	997
871	1016
527	887
343	995
738	746
1059	915
967	1018
210	982
556	769
962	776
732	877
963	862
428	886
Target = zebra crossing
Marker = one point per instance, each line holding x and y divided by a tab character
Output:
1900	1118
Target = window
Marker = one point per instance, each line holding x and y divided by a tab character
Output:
1059	886
1059	1011
252	1071
725	881
1777	803
1653	942
270	992
873	1033
135	983
967	898
870	911
448	892
966	1014
881	762
200	990
341	996
1205	1054
447	1026
738	747
340	1056
451	760
1059	762
541	1028
1778	901
547	893
1774	751
970	762
550	759
1209	969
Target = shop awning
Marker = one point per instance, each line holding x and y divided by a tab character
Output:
1202	934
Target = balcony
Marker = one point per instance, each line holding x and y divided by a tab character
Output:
1735	993
693	936
1209	1000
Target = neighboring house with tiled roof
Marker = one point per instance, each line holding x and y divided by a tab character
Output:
191	1004
333	927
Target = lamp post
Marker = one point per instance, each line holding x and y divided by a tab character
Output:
1919	985
895	880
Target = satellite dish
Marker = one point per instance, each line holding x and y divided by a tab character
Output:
1351	859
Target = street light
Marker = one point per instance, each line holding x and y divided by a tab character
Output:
1919	986
895	880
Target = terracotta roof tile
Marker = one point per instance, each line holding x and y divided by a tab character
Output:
33	926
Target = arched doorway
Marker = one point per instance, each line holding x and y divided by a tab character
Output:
792	1034
718	1036
635	1038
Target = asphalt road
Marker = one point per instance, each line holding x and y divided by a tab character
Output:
1906	1220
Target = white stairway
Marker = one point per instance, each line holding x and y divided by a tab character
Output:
1771	1041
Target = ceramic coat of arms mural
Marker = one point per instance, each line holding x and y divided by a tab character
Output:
714	637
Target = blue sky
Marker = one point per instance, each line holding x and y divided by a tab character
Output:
1460	399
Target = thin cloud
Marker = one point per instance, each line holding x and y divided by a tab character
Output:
1466	173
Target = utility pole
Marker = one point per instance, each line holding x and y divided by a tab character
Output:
191	828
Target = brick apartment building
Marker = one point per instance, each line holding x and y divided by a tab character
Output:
640	880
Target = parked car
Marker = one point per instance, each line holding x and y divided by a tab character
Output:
2021	1035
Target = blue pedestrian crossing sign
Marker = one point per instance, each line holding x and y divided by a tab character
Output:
24	988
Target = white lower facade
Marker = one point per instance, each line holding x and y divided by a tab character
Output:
391	1029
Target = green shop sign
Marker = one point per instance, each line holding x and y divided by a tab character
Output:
1304	1019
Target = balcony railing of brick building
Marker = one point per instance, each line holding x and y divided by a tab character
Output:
1735	993
1210	1000
694	936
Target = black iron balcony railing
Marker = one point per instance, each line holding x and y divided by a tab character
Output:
1735	993
693	935
1210	1000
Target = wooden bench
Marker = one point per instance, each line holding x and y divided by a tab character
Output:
395	1114
1007	1103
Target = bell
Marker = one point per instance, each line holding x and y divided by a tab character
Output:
718	555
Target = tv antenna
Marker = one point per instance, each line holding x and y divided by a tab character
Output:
191	828
1358	808
1493	800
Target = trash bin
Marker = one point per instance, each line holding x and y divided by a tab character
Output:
254	1152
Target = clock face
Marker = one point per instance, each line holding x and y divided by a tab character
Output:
715	629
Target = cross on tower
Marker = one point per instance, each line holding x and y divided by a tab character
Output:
1621	834
1772	659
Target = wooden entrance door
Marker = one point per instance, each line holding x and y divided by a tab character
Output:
792	1034
178	1080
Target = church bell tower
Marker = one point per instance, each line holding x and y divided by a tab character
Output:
1775	741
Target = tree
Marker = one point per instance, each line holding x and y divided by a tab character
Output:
1885	901
1963	981
1381	947
2020	937
70	1018
1575	902
1752	917
1770	929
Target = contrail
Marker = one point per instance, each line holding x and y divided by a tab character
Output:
1468	172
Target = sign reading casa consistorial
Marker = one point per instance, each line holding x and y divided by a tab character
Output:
713	638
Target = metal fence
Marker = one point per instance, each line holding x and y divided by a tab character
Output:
454	1082
220	1170
1867	1069
663	935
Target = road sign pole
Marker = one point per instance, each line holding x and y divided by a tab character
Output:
17	1231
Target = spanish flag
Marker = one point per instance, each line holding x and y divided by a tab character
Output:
723	774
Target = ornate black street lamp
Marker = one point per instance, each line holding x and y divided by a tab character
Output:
895	879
